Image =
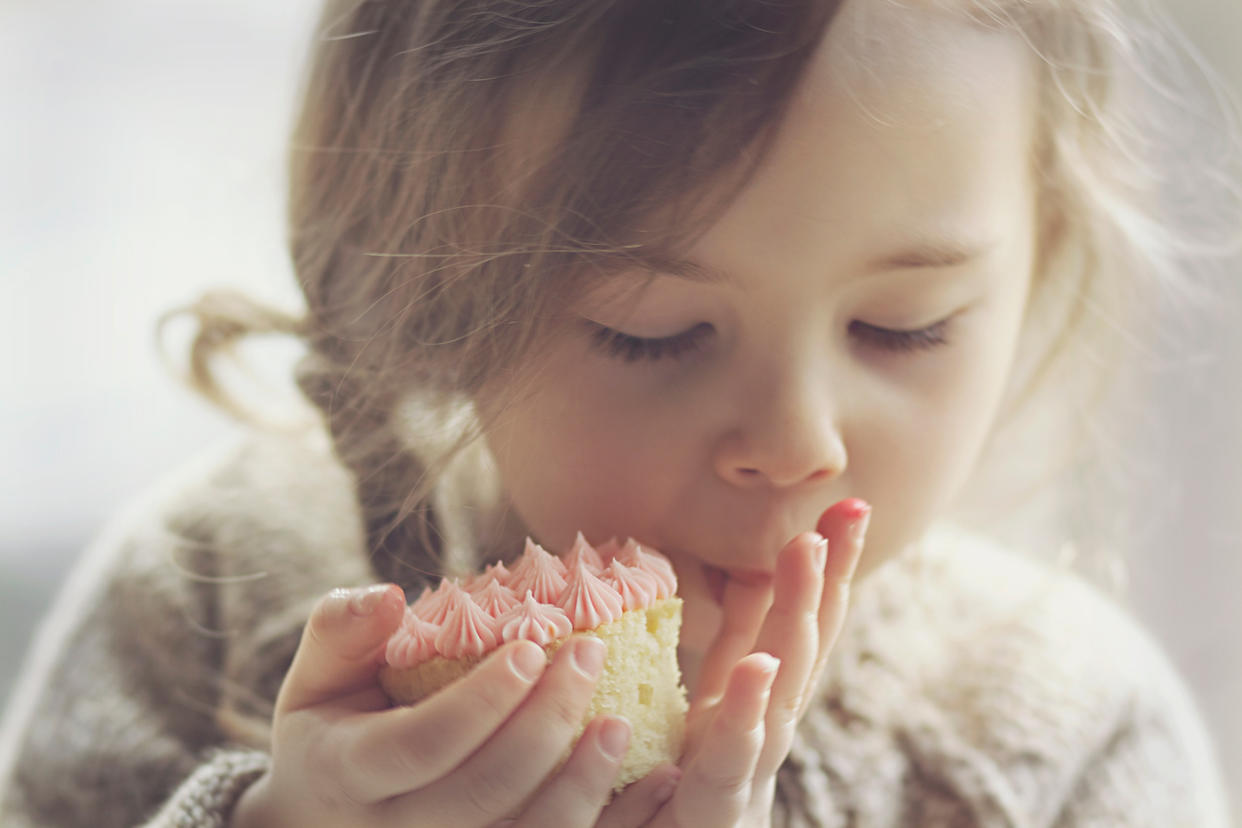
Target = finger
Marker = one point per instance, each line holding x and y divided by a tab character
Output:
791	633
716	786
511	765
640	801
745	604
844	524
578	792
406	748
341	648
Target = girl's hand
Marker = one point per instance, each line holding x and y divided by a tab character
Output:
479	751
760	672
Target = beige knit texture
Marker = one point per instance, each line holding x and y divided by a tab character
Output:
207	798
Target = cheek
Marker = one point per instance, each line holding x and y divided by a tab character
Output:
917	449
574	458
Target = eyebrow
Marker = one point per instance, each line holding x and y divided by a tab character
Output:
939	253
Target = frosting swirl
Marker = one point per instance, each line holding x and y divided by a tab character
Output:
467	629
653	563
636	588
588	601
413	643
493	573
540	623
582	549
495	599
433	606
540	573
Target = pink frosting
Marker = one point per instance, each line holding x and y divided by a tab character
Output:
433	606
539	573
495	599
467	629
589	601
414	643
597	587
636	588
540	623
494	572
584	550
651	562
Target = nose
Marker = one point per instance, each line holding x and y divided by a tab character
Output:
786	434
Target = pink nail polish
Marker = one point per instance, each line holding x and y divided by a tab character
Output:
858	528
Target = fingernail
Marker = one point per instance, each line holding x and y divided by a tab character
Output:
665	792
364	602
821	553
588	655
614	737
770	664
527	662
858	529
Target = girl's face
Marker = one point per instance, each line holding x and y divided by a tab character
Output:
855	340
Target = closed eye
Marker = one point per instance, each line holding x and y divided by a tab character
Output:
888	339
634	348
631	348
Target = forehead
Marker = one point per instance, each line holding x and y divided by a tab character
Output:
939	53
912	122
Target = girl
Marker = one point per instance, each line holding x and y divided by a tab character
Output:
724	277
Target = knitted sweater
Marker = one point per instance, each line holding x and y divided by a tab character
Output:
969	687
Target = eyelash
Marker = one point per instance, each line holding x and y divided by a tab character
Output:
923	339
635	348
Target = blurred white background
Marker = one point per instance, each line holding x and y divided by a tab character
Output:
141	161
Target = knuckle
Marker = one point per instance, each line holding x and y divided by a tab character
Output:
329	775
489	795
493	695
583	788
729	784
565	711
406	762
360	760
808	617
583	783
788	708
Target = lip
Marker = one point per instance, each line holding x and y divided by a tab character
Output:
717	579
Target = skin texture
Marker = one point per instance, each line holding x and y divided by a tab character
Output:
750	460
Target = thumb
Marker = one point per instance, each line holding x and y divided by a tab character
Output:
339	654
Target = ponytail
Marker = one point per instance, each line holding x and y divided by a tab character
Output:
223	318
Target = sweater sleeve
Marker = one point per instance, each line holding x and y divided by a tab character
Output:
113	721
207	798
147	695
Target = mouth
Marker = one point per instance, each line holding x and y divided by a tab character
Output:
718	579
